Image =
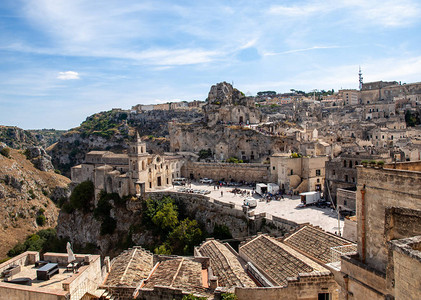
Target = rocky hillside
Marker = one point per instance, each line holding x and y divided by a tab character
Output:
112	131
25	198
18	138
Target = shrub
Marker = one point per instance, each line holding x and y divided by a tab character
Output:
229	296
41	220
5	152
31	194
222	232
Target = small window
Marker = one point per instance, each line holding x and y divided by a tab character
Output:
346	178
273	168
150	185
292	172
324	296
345	202
333	172
317	172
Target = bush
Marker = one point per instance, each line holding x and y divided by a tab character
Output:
222	232
234	160
229	296
45	240
5	152
82	196
41	220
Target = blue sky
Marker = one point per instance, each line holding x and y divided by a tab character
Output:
62	60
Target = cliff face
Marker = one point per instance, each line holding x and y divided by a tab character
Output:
25	194
18	138
226	141
83	229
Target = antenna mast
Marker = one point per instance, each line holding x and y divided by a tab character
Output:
360	77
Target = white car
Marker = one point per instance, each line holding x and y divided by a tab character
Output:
206	180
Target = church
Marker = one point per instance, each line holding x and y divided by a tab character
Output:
128	174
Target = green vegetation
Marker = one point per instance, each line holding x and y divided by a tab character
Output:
82	196
193	297
103	209
5	152
104	124
31	194
203	154
267	93
295	155
222	232
412	119
44	240
229	296
177	236
234	160
41	220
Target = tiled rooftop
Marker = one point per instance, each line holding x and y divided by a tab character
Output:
315	242
225	265
180	273
130	267
276	260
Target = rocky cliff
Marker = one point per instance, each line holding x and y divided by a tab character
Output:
18	138
25	198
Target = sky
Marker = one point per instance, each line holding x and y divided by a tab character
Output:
63	60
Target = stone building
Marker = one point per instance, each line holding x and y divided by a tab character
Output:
350	97
23	277
127	174
341	175
301	174
387	265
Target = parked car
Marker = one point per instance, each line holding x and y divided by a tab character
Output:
206	180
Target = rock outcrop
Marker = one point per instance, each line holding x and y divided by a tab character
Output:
39	158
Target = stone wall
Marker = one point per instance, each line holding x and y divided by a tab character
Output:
211	211
302	287
227	171
407	266
384	188
345	199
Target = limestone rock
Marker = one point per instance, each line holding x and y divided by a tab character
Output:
39	158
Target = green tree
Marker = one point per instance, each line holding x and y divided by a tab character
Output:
167	217
164	249
82	196
185	236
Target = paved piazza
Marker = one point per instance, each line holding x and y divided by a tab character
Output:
326	218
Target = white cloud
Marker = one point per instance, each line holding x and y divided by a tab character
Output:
68	75
386	13
302	50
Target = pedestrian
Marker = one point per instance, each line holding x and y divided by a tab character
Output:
214	187
222	193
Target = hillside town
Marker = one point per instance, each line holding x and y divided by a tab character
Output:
319	192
